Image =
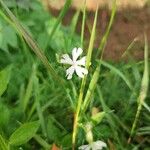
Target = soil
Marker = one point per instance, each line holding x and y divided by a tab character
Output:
128	25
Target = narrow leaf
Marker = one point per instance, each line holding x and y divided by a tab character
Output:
105	37
4	79
3	145
24	133
29	89
143	90
116	71
91	88
60	17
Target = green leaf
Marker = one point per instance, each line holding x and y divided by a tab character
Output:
7	37
107	32
24	133
4	115
4	79
97	118
143	91
144	131
3	145
1	37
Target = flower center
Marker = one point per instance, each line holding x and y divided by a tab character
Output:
74	64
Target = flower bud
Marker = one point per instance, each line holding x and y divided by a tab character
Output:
89	134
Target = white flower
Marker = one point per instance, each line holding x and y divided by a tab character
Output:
75	64
98	145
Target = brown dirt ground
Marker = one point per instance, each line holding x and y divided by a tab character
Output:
128	24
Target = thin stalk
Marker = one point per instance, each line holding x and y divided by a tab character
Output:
28	92
91	88
143	90
42	142
105	37
38	106
83	24
96	74
73	27
80	99
60	17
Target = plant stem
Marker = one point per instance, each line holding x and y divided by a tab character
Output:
76	115
80	99
143	90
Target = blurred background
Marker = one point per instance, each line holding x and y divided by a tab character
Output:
91	4
132	20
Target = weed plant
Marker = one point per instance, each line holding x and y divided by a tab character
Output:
40	108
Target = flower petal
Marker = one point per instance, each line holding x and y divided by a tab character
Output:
98	145
66	59
69	72
81	61
76	52
80	71
84	147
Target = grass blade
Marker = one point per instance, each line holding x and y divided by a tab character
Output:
91	89
80	99
143	90
29	90
73	26
105	37
42	142
91	44
38	106
118	72
3	145
83	24
96	74
60	17
4	79
146	106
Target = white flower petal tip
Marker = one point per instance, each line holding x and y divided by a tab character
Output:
82	61
75	64
76	52
81	71
69	72
84	147
98	145
66	59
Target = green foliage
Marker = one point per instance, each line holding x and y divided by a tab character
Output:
33	84
4	79
3	145
8	36
24	133
4	115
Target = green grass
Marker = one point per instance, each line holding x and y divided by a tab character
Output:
41	107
